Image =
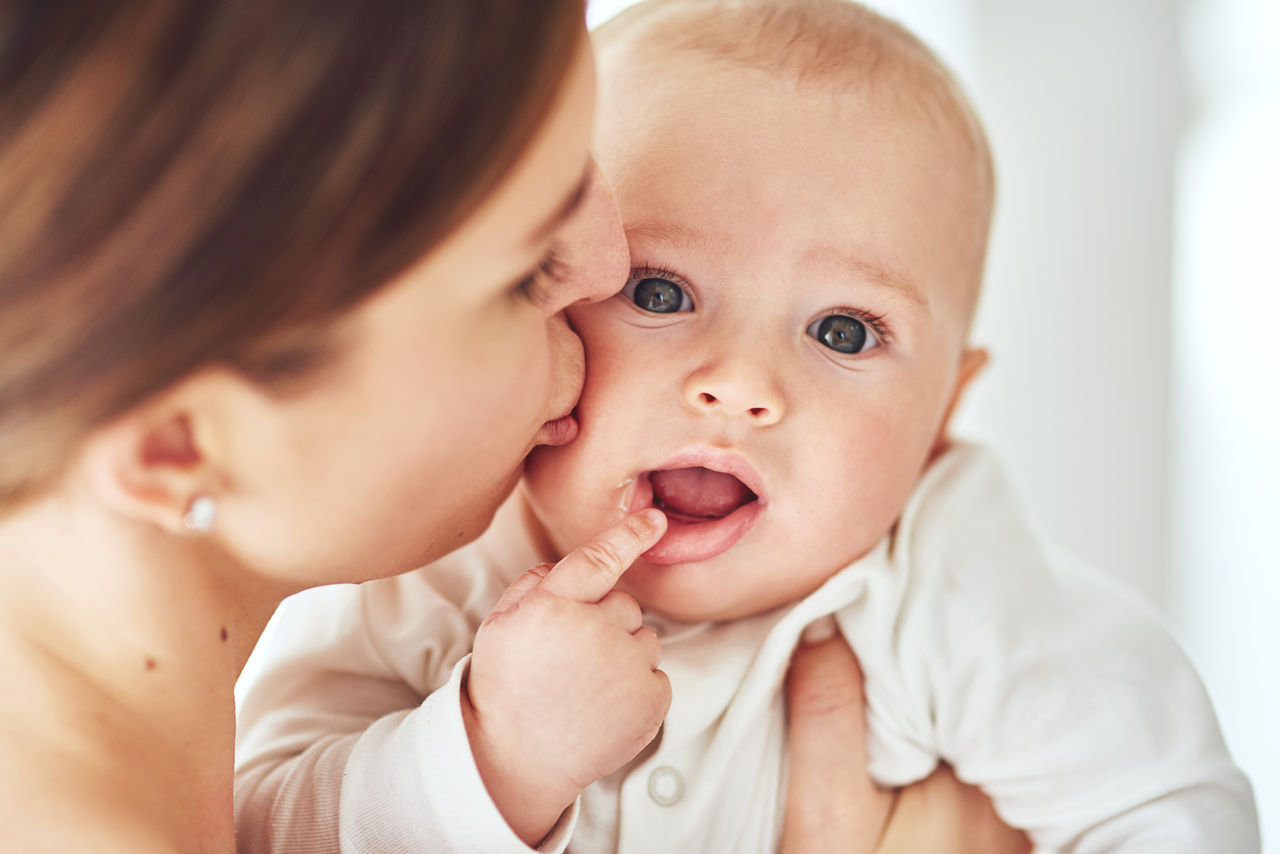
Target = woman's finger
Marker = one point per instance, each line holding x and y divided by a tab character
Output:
832	805
590	571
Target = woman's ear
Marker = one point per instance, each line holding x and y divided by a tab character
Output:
151	464
971	364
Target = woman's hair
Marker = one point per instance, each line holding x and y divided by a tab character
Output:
192	183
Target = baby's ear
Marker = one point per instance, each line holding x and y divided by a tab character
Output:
148	464
972	362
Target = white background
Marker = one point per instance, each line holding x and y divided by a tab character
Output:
1132	307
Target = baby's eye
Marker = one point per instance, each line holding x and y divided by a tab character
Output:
843	333
658	295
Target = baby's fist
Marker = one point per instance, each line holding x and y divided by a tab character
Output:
564	687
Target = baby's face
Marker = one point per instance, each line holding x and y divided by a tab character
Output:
780	366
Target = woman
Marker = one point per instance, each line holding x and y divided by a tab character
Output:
280	288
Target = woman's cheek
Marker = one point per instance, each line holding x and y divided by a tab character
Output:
518	372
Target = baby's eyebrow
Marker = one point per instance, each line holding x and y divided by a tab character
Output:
832	258
824	257
666	232
887	279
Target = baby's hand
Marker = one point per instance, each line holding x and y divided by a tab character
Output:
564	686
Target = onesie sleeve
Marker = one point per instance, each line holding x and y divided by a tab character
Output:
337	749
1061	697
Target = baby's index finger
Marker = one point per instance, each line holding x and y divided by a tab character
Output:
591	570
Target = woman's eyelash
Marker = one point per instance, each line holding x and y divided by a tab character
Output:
551	270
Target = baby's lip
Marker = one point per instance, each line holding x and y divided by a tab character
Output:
716	459
694	540
725	462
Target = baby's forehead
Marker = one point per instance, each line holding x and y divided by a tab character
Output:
833	43
839	51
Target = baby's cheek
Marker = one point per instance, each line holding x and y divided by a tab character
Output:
559	495
873	484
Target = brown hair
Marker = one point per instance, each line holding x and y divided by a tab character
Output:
191	183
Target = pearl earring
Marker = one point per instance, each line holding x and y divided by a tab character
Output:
201	514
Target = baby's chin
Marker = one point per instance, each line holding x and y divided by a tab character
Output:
731	586
678	603
684	613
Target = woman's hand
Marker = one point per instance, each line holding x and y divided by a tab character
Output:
941	814
832	804
564	685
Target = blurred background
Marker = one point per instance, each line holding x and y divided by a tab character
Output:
1132	308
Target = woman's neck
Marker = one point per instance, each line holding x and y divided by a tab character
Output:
120	645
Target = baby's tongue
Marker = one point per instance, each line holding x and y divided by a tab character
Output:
699	492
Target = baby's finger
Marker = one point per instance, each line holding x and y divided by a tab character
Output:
652	646
591	570
516	591
661	687
623	610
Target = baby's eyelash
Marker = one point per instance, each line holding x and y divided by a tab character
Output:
645	271
878	325
876	322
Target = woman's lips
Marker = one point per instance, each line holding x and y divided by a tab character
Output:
688	540
560	431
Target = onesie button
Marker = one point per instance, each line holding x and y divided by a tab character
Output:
666	786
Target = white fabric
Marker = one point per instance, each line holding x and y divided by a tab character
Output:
336	748
1067	703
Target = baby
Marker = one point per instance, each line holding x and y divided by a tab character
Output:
807	198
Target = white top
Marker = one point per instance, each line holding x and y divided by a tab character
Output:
1070	705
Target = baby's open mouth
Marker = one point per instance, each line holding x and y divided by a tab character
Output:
707	511
698	494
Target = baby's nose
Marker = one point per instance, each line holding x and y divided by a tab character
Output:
736	389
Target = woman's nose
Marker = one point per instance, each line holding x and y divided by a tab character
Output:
735	388
597	260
